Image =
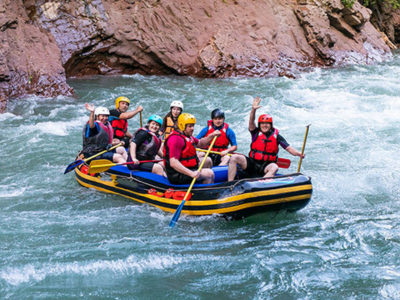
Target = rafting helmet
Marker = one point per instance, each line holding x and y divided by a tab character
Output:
155	118
176	103
265	118
121	99
217	113
101	111
185	119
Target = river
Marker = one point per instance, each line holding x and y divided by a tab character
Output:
59	240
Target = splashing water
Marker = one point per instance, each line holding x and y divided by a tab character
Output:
62	241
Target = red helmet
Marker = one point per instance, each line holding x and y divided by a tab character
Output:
265	118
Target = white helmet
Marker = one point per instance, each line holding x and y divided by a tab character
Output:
176	103
101	111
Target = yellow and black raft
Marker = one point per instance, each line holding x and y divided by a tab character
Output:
235	199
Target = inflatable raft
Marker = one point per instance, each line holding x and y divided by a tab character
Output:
235	199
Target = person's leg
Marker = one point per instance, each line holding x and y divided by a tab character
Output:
207	176
270	170
207	164
122	152
157	169
235	160
224	160
117	158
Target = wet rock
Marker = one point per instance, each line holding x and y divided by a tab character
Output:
47	41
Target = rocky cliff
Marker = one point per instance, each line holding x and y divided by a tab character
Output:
43	42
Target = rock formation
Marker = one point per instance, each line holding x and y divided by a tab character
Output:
43	42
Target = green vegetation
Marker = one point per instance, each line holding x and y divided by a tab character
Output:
369	3
348	3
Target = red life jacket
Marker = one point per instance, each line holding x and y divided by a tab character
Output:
222	142
265	149
188	157
108	128
120	127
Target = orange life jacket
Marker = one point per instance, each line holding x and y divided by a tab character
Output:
188	157
265	148
169	128
222	142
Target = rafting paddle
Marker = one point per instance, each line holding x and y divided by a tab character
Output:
102	165
282	162
179	209
78	162
304	145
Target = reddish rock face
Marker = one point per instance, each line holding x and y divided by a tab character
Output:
43	42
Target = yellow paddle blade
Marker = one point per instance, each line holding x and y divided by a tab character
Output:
100	165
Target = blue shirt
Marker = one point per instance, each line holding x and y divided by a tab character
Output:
230	134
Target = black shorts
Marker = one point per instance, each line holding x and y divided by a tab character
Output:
256	167
179	178
106	155
216	159
146	167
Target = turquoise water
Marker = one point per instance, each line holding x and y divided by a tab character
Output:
59	240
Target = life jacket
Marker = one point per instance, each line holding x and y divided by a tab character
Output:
169	127
222	142
120	127
147	150
265	148
188	157
97	143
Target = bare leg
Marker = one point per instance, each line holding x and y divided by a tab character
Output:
235	160
208	163
271	170
122	151
117	158
207	175
224	160
157	169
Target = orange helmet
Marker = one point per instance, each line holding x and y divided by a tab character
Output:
265	118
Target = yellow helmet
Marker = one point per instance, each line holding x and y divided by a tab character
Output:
185	119
121	99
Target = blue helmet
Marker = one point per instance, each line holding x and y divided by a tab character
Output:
155	118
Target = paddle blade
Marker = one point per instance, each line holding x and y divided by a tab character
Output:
283	163
100	165
73	165
176	214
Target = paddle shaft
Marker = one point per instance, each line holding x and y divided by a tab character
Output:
304	146
179	209
74	164
141	120
282	162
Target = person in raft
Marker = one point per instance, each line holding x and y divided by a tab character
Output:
263	154
98	136
145	145
227	137
181	161
119	119
170	120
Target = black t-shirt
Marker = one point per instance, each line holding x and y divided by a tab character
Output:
115	113
142	136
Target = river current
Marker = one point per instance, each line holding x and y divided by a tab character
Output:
59	240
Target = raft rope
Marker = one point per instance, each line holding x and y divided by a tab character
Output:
160	188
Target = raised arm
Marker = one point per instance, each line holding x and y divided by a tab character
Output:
90	107
252	119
